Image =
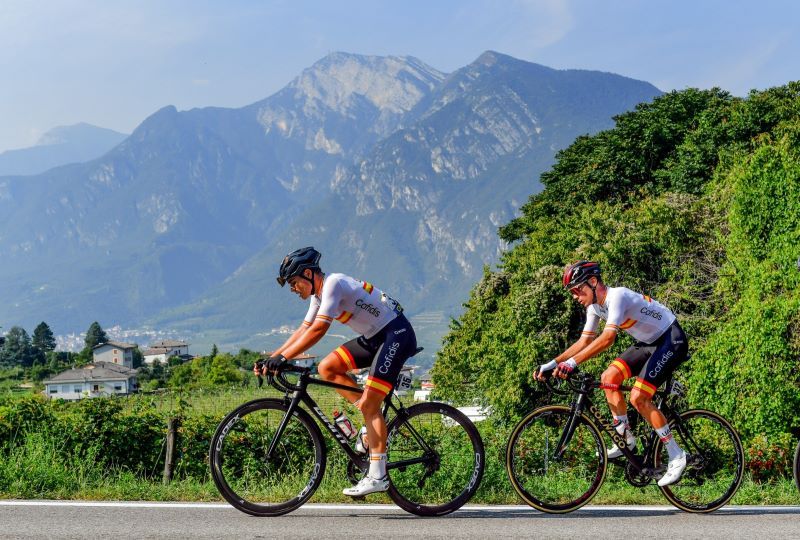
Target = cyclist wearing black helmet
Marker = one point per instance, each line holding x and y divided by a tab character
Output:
660	347
386	341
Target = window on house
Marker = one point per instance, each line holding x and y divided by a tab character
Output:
77	389
54	389
118	387
116	351
95	388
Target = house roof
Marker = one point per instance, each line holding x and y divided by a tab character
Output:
168	344
117	344
154	351
98	371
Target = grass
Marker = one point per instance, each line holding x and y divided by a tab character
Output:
31	472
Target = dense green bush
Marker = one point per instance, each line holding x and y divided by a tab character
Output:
693	199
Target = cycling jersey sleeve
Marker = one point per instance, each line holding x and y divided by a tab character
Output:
313	308
616	310
329	303
592	321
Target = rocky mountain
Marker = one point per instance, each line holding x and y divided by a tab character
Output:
60	146
418	214
399	173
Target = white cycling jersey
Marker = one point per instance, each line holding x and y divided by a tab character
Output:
358	304
639	315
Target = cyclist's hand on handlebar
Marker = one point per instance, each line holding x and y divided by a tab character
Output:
275	363
544	371
259	369
565	368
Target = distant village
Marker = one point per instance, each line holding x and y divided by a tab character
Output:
111	372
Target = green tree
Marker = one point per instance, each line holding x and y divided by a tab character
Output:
95	335
43	338
17	350
223	370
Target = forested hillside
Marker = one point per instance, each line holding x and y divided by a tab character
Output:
693	199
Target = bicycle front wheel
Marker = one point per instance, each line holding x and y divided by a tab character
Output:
796	468
260	485
435	458
715	461
552	483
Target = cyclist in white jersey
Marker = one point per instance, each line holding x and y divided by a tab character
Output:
387	340
660	347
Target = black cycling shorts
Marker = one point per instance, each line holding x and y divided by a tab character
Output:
386	352
654	362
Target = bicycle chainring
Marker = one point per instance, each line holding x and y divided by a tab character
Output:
636	478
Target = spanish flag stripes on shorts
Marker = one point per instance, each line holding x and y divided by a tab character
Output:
377	385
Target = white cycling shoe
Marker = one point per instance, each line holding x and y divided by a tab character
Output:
368	485
674	470
615	452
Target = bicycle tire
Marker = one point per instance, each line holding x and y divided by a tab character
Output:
256	486
796	467
715	462
455	459
555	486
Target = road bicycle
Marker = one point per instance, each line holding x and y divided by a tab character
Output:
556	457
268	456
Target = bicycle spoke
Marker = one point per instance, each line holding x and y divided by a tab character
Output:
435	459
259	483
714	462
547	482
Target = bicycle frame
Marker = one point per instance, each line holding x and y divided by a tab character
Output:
300	395
583	404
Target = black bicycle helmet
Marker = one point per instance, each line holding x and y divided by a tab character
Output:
296	262
580	272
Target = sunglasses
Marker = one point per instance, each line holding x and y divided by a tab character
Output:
577	290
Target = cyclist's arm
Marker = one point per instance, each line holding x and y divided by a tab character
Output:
575	348
307	339
292	339
604	341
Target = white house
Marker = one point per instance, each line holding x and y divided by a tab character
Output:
114	352
93	380
161	351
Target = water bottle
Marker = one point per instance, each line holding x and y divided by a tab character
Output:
344	424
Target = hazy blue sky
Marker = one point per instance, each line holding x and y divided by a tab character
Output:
112	63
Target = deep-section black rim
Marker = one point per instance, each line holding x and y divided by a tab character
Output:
444	455
545	481
250	482
715	462
797	466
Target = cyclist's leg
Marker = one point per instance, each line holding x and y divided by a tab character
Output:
399	343
354	354
670	351
619	370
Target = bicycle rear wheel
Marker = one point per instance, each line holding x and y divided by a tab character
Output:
246	478
556	485
443	455
715	462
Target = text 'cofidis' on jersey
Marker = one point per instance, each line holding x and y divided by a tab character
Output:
352	302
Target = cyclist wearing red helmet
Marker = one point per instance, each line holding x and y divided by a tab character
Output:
660	347
386	341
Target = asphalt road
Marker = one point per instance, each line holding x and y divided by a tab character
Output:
74	519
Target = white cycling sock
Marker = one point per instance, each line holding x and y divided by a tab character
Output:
622	427
669	441
377	465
